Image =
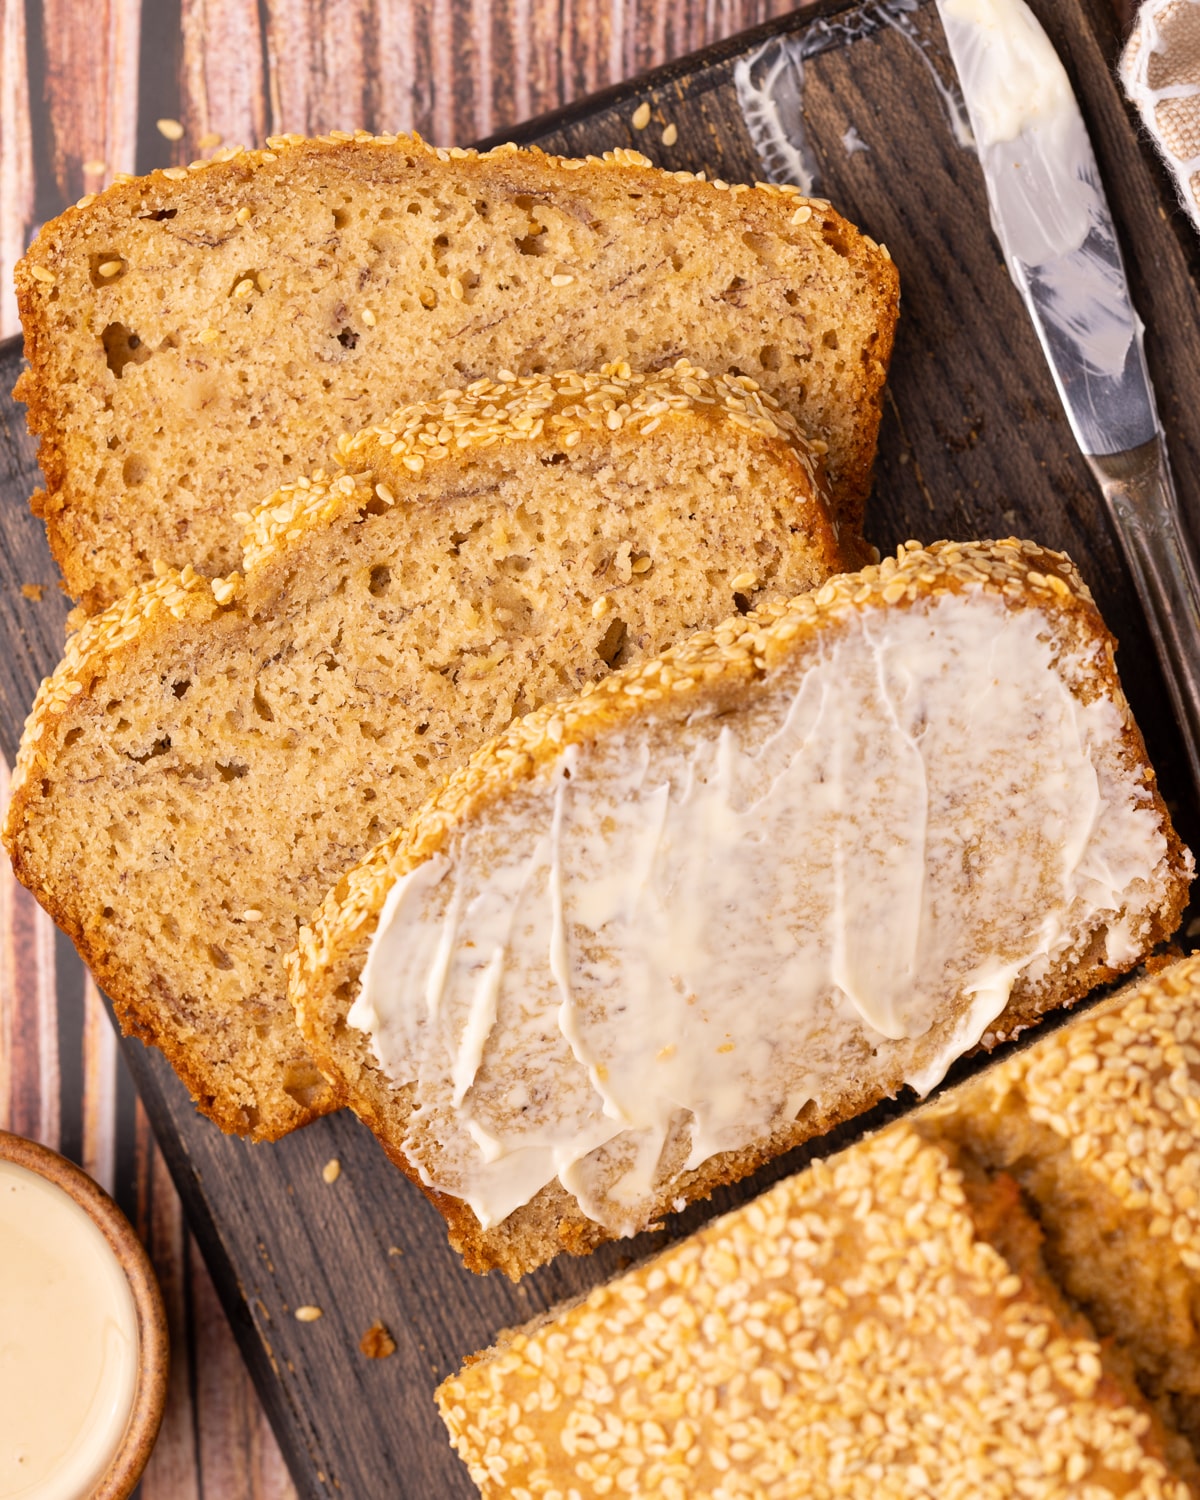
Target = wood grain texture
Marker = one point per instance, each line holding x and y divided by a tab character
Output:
974	443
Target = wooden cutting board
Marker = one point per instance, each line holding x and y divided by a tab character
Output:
974	444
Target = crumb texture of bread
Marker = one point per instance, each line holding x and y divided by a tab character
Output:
569	835
199	337
212	755
878	1325
1099	1122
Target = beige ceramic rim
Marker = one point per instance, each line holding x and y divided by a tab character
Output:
150	1394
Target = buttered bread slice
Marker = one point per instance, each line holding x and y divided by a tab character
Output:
651	937
210	757
197	338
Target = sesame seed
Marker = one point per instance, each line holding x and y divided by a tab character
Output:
252	914
109	267
175	174
40	273
243	215
670	135
560	278
244	288
308	1314
171	129
95	167
332	1170
209	141
456	289
368	317
641	116
600	607
208	336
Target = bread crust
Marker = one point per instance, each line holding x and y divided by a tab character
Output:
66	502
881	1322
717	665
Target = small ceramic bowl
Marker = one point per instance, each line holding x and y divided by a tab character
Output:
150	1389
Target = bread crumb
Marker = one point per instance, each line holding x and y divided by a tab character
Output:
641	116
670	135
332	1170
172	129
308	1314
377	1342
33	591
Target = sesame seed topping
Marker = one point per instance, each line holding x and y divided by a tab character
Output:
243	215
670	135
849	1333
171	129
109	267
368	317
41	273
308	1314
331	1171
641	116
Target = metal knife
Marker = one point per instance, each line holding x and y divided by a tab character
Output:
1050	213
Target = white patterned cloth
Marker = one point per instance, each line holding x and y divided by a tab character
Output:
1160	69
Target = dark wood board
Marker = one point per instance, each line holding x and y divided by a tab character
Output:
974	444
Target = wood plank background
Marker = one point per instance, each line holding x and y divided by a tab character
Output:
83	84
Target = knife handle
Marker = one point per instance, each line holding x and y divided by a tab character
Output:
1141	498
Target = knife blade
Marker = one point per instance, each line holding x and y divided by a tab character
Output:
1050	214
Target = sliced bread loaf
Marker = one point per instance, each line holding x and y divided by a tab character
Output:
651	937
196	337
210	756
880	1325
1099	1123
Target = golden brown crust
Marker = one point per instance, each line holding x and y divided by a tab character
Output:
331	952
229	171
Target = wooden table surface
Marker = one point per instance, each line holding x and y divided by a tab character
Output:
83	85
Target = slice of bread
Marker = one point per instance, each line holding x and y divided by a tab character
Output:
1099	1122
196	337
210	756
652	937
882	1324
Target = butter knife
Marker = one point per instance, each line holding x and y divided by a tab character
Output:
1054	225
